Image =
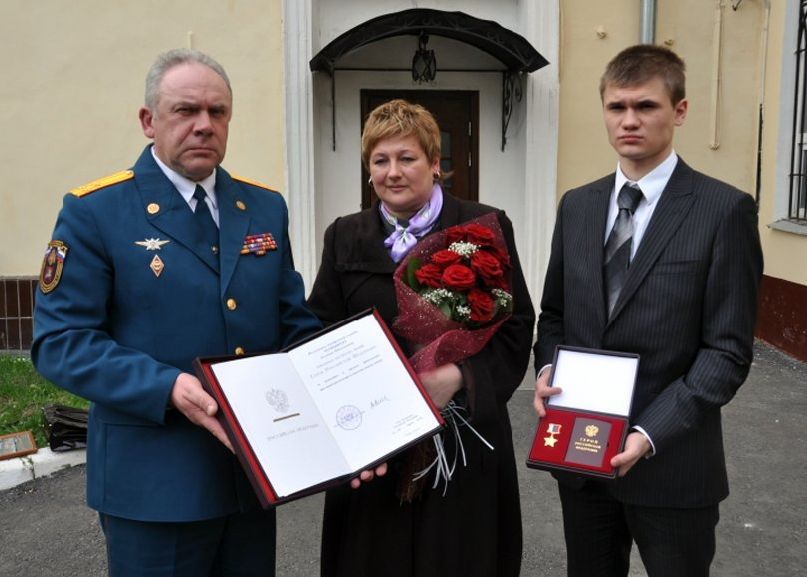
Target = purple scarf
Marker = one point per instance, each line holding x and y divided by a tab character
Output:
402	239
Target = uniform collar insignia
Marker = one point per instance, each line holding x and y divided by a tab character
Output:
152	243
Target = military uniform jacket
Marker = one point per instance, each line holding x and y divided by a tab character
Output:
120	326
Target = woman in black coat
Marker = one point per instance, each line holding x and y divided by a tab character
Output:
392	526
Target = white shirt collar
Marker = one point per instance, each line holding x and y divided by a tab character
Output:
186	186
654	182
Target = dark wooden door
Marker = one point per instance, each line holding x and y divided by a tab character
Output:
457	114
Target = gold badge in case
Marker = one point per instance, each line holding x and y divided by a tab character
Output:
552	430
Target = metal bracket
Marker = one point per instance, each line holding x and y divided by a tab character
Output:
511	89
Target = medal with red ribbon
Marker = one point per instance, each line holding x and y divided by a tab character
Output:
258	244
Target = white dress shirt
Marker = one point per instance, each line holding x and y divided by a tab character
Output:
187	187
652	185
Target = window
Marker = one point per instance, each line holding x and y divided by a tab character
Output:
797	202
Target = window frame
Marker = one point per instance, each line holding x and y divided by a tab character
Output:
797	176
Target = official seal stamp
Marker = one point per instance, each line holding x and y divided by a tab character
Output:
348	417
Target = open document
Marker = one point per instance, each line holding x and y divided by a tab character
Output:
323	411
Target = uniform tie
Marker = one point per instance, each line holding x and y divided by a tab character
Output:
207	226
618	246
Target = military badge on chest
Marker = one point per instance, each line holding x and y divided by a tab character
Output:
156	265
52	266
258	244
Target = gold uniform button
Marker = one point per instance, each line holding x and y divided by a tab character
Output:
240	205
231	304
153	208
239	351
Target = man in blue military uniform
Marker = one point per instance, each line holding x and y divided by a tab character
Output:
149	268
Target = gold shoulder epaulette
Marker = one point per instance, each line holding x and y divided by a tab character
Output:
252	182
102	182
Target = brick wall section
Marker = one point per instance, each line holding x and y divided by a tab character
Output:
782	318
16	311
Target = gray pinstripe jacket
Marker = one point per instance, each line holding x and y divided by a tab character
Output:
688	308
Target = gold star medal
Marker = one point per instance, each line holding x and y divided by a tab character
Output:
552	430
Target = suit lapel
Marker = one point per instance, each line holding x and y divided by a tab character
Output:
593	249
234	224
167	211
673	207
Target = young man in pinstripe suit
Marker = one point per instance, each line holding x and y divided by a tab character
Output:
684	300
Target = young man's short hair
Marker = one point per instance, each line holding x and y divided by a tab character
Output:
641	63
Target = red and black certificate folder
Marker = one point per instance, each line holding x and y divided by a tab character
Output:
319	413
586	425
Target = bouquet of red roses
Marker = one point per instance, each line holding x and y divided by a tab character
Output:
453	292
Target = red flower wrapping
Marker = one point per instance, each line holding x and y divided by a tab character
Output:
470	280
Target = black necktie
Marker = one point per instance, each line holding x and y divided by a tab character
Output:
207	226
618	246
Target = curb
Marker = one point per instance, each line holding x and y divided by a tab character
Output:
44	462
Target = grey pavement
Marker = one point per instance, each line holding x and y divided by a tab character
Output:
46	530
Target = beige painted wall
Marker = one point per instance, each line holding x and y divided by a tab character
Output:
785	253
583	150
73	82
688	28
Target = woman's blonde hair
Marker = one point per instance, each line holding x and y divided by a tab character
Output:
400	118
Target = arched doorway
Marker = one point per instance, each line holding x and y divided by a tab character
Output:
323	110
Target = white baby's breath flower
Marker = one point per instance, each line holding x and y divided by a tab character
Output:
463	313
503	298
465	249
437	296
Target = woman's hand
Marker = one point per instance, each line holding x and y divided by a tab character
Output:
442	383
369	475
